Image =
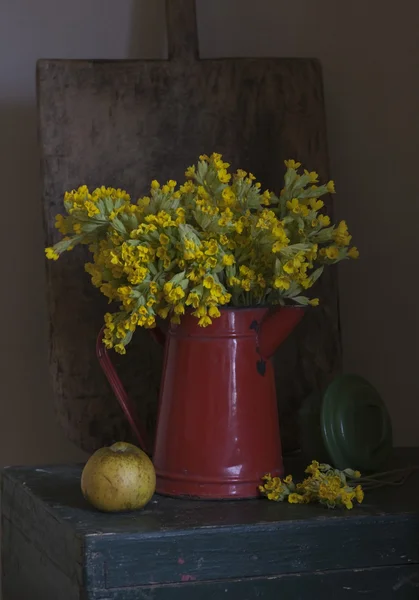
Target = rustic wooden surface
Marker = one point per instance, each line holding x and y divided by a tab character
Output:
124	123
55	543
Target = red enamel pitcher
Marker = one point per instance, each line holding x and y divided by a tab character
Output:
217	427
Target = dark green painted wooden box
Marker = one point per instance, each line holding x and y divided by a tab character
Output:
55	547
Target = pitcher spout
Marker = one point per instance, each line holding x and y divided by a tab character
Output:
276	327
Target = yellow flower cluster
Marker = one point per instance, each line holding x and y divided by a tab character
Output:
217	239
326	485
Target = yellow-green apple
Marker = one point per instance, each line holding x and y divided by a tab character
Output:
119	477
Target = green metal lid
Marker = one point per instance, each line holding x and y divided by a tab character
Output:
355	424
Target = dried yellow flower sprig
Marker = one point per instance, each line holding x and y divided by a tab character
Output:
325	485
215	240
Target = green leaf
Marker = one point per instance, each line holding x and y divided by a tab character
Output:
64	245
169	204
324	235
152	268
131	221
199	289
288	219
300	184
90	227
188	232
119	226
127	338
290	177
202	171
202	219
293	290
295	249
300	223
313	193
316	274
178	278
274	199
301	300
109	204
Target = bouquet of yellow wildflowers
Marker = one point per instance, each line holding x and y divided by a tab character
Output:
215	240
328	486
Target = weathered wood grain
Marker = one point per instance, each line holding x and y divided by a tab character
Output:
124	123
29	574
52	539
384	583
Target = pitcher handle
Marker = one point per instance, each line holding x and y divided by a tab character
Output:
124	400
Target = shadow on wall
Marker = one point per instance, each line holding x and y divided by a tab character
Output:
22	236
26	405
